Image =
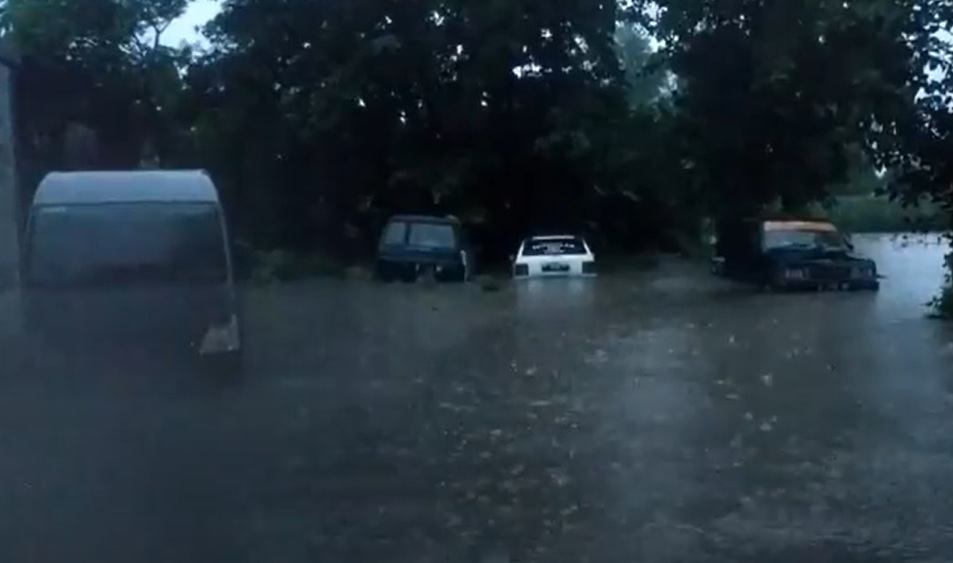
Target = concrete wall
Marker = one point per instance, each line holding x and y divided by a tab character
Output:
9	205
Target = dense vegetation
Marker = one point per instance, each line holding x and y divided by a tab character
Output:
880	214
320	117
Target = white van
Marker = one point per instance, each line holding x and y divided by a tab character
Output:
132	265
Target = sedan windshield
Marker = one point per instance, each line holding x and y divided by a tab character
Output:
796	238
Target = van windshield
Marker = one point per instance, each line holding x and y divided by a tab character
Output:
125	244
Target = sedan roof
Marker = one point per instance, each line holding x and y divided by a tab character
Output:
555	237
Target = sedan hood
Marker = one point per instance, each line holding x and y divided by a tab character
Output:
797	257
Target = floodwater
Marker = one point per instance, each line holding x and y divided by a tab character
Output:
662	416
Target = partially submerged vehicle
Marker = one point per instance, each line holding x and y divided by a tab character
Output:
132	264
791	254
423	246
554	256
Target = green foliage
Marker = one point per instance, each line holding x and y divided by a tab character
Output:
775	94
645	75
273	266
95	89
880	214
862	178
942	304
320	118
416	106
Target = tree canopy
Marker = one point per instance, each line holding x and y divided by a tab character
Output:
628	121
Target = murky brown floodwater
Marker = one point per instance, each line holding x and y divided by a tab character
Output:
662	416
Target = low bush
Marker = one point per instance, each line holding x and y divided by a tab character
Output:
942	304
264	267
878	214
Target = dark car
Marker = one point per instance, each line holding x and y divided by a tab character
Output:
422	246
791	254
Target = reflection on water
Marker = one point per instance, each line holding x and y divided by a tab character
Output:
724	419
654	416
534	296
913	267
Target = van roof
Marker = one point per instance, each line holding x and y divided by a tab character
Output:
132	186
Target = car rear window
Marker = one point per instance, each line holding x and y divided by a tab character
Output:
395	233
568	246
126	244
432	235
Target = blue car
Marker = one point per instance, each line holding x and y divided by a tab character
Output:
423	246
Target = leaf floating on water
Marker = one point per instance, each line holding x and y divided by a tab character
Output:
767	379
599	356
451	407
531	371
569	511
766	426
731	339
732	396
560	477
749	416
495	558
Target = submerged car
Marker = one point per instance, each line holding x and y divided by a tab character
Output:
791	254
423	246
554	256
132	263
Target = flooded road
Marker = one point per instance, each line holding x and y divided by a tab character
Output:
661	416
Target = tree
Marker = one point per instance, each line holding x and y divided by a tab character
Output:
775	95
492	110
645	76
97	65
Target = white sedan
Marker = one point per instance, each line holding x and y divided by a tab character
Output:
554	256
